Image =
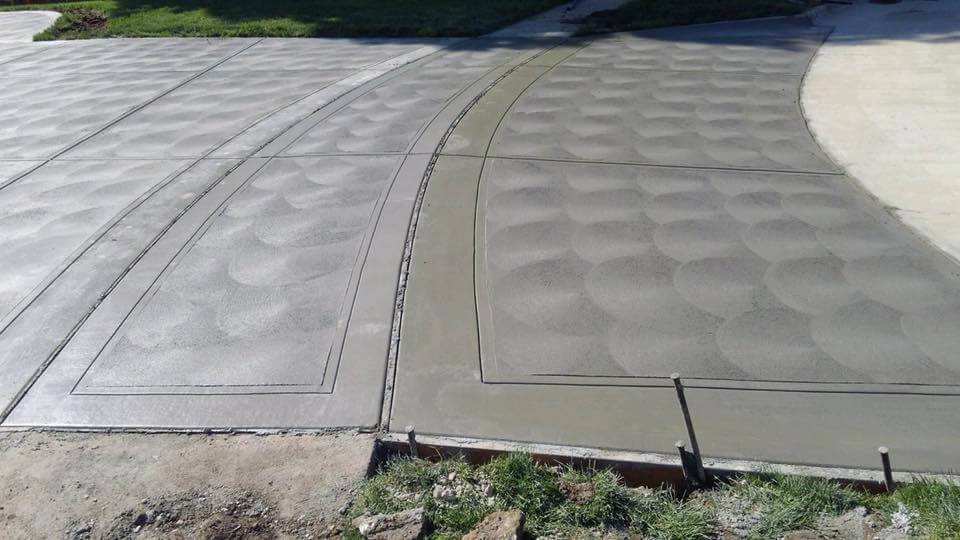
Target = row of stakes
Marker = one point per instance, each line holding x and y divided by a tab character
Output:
691	461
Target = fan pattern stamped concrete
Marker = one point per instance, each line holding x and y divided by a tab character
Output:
208	232
722	262
503	237
653	203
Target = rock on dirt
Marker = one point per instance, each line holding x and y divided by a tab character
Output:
736	516
506	525
406	525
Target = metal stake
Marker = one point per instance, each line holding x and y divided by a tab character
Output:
887	471
688	474
412	442
701	474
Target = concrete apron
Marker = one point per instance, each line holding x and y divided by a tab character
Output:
670	150
650	204
254	286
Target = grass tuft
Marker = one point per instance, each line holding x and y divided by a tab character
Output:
580	503
935	505
520	482
682	521
593	498
788	502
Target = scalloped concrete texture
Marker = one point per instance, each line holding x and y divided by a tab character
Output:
881	98
653	203
210	234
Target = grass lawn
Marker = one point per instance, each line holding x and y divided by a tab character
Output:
288	18
571	503
642	14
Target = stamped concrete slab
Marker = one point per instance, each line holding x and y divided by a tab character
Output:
192	120
259	300
298	54
634	273
785	54
51	214
386	119
631	219
46	114
709	119
144	55
256	292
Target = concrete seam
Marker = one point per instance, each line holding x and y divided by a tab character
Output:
127	114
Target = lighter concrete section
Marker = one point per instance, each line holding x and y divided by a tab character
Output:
881	98
22	25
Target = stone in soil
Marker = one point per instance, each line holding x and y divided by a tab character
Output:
406	525
507	525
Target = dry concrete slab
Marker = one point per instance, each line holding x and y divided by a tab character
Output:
881	99
21	26
623	222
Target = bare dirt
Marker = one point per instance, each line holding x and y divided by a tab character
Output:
123	485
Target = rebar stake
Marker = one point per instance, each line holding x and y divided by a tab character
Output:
689	475
698	461
412	442
888	481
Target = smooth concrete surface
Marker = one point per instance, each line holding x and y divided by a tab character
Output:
626	221
881	98
19	26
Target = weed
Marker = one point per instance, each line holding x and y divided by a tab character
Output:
593	498
936	506
578	503
682	521
790	502
520	482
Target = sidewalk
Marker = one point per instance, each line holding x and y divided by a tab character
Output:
881	98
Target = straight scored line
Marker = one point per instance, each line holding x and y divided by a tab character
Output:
643	164
127	114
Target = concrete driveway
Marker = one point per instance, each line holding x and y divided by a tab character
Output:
185	223
508	238
653	203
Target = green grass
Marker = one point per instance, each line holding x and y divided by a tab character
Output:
790	503
577	503
642	14
936	506
290	18
519	482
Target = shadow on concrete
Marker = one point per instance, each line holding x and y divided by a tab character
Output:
330	18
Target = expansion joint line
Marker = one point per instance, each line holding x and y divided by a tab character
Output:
127	114
394	350
38	372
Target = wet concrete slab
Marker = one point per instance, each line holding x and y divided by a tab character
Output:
233	265
661	210
509	238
